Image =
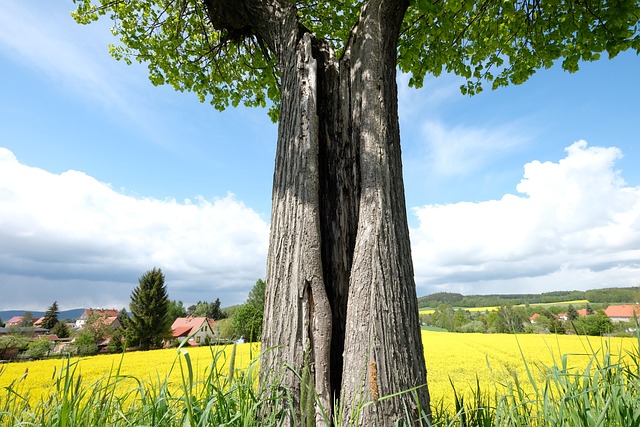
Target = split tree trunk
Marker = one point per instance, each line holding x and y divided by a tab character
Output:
341	315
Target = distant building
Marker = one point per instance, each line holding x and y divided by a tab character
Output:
14	321
565	316
197	329
107	313
38	322
622	313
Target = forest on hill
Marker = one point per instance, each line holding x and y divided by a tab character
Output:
605	295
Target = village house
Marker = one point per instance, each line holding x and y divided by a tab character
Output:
199	330
108	313
565	316
14	321
622	313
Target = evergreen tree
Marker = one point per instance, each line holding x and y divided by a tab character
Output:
572	313
123	318
61	330
589	310
51	316
149	307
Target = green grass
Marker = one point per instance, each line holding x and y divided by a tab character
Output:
605	393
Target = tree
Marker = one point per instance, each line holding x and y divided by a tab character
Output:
247	320
572	313
123	318
51	316
61	330
340	295
39	348
256	295
176	309
149	306
98	326
594	324
210	310
27	320
511	319
85	344
10	344
247	323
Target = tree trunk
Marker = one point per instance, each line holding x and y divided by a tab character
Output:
341	319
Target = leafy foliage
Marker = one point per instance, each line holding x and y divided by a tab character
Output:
209	310
149	306
594	324
85	344
247	323
39	348
256	295
506	42
27	320
176	309
182	48
496	41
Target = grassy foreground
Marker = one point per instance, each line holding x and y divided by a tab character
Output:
474	379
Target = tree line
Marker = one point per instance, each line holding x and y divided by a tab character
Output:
517	319
601	296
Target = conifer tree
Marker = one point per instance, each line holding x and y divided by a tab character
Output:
51	316
149	307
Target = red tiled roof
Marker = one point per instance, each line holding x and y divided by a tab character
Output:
625	310
183	325
181	331
101	312
14	320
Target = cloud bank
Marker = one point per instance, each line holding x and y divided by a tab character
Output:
71	238
574	225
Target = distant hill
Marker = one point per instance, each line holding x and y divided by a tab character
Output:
603	296
62	315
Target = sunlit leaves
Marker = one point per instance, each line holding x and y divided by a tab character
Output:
496	41
180	47
502	42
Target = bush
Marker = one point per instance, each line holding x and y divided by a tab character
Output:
475	326
85	344
38	348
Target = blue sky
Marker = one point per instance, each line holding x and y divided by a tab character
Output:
103	176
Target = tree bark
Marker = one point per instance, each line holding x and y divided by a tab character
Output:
341	320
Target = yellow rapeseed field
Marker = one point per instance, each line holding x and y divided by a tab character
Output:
459	357
39	377
490	357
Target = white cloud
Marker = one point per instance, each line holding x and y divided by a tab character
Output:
576	225
69	229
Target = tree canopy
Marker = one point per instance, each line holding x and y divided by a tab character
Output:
191	46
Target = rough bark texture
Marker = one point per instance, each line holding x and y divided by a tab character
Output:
384	349
341	315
